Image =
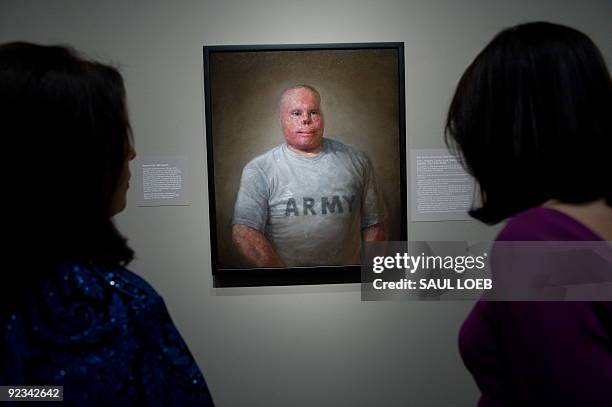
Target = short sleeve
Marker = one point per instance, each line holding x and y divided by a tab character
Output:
373	206
251	207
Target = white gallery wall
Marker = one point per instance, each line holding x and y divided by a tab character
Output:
301	346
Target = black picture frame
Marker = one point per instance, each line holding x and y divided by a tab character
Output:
253	277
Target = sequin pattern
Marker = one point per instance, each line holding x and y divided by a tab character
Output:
106	336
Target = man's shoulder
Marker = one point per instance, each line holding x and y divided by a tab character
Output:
264	161
341	149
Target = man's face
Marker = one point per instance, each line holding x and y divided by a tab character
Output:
302	120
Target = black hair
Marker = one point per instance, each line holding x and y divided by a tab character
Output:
65	119
532	120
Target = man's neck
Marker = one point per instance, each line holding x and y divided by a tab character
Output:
306	153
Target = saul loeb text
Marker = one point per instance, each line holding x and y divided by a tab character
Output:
403	271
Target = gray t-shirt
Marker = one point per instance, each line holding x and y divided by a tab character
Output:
312	209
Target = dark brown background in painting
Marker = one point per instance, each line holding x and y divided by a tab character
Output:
359	92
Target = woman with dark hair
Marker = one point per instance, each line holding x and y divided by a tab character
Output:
71	314
532	121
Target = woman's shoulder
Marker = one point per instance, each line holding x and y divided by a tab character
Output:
545	224
81	303
95	286
99	281
104	326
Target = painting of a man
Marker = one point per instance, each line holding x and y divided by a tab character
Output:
309	201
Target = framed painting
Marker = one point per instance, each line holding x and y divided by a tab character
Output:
306	159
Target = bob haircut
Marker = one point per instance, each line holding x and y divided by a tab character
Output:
65	119
532	120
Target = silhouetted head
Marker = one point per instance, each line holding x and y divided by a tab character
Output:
532	120
65	120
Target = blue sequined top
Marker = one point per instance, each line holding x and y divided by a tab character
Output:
106	336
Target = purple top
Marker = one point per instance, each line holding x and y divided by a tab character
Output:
540	353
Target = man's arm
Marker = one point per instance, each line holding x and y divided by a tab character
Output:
377	232
255	247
